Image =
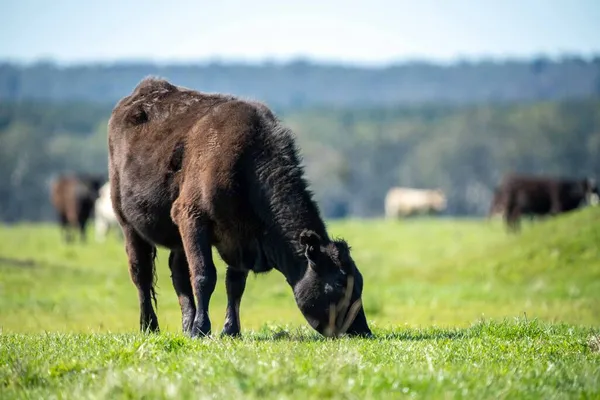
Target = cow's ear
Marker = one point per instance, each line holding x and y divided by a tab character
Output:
310	238
311	242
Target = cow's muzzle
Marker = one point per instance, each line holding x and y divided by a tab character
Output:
342	315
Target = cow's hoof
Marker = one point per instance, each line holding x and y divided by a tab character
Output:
230	331
201	329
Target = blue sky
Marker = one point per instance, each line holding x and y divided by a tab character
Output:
365	32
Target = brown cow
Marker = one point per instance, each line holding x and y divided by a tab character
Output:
530	195
191	170
73	197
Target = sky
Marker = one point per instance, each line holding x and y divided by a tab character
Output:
370	32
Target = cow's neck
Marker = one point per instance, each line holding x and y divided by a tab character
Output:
287	255
284	203
292	211
282	248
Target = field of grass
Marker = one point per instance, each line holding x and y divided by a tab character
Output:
459	309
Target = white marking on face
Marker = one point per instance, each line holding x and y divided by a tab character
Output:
328	288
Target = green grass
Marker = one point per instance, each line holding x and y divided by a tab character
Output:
459	309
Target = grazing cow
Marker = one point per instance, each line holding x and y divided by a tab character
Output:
529	195
73	197
104	215
403	202
192	170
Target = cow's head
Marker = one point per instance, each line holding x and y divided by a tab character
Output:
329	294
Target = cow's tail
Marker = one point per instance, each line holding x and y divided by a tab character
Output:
154	278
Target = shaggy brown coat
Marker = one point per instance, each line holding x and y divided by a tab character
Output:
191	170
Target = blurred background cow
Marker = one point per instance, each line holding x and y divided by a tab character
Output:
73	197
404	202
528	195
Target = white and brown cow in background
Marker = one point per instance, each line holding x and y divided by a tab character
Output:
404	202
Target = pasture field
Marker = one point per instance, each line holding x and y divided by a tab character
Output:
459	309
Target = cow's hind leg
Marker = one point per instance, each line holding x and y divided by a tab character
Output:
180	275
235	282
195	235
141	256
512	212
512	218
82	225
64	227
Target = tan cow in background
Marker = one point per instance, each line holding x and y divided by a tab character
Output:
403	202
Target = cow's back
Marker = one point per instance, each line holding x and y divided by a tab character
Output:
157	134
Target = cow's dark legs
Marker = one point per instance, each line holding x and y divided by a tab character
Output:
64	227
555	208
512	220
196	242
180	275
512	216
141	269
82	226
235	282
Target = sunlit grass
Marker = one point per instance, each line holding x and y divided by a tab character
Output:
459	309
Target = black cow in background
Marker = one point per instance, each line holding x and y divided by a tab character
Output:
73	196
519	195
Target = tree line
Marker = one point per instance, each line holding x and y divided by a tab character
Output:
353	155
302	84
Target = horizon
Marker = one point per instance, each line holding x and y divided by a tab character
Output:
379	33
300	60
